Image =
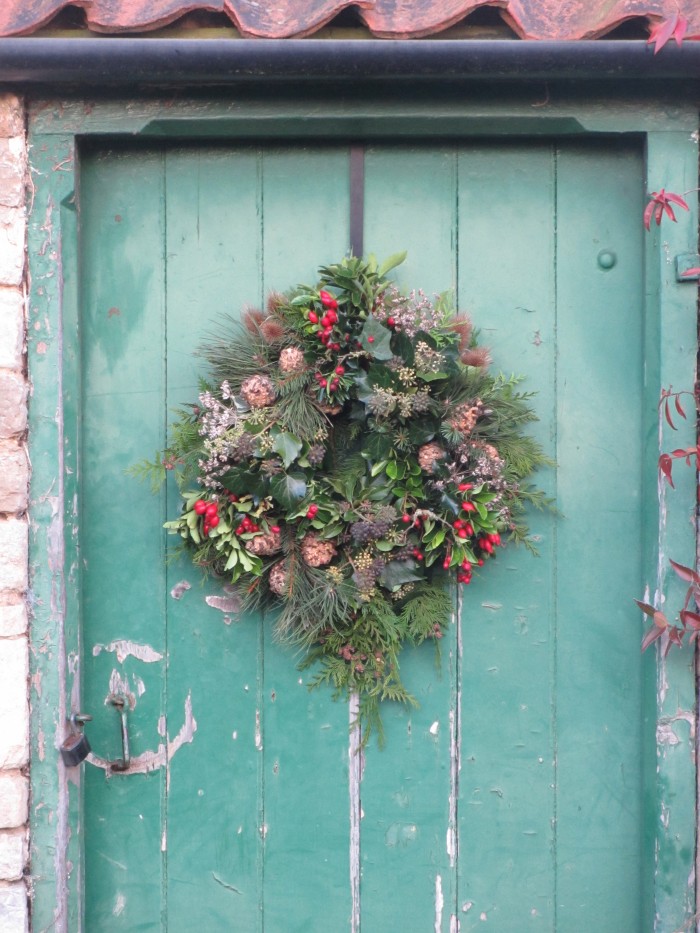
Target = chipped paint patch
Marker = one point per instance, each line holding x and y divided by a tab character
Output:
179	590
124	649
228	604
439	903
435	728
119	905
119	685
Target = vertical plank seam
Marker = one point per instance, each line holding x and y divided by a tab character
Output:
555	587
355	800
262	834
166	777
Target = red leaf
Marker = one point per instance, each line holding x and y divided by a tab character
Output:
666	466
660	202
661	32
648	211
688	272
685	573
651	637
691	619
680	30
646	608
667	413
677	199
679	407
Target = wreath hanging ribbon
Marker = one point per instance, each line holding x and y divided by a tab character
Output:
350	456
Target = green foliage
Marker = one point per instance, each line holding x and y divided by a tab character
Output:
344	469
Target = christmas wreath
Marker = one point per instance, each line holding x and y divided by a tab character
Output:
349	455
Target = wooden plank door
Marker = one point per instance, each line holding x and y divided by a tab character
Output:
514	798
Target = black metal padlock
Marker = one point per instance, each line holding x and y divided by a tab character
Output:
75	749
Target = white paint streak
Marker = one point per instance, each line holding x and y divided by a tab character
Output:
439	903
151	760
164	840
123	648
161	726
452	840
258	733
454	923
355	781
119	905
139	685
435	728
483	917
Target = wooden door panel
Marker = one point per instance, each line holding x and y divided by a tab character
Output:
518	783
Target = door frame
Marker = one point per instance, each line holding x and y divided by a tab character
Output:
58	129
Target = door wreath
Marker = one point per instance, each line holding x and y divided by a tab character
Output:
349	456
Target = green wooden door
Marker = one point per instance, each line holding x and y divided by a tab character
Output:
515	797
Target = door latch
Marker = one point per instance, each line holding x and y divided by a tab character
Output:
76	747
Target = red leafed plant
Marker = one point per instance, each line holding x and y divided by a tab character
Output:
670	633
675	27
660	204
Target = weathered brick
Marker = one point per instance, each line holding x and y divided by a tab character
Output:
12	234
11	328
11	115
14	709
13	554
14	799
13	854
13	619
12	172
13	403
14	913
14	476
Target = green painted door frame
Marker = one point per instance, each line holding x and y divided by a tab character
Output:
58	130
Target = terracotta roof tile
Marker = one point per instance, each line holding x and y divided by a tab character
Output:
391	19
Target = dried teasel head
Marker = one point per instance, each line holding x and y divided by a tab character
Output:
275	301
428	455
291	360
476	356
462	326
258	391
252	319
272	329
278	580
316	553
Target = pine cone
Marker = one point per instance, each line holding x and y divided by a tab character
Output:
265	544
465	416
258	391
317	553
291	360
428	455
278	578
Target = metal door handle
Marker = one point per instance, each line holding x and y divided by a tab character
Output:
120	703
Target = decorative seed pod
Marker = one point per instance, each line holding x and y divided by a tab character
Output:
465	416
291	360
265	544
317	553
278	580
258	391
476	356
428	455
487	449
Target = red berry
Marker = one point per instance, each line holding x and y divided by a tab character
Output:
469	530
480	562
340	370
325	321
200	506
313	317
323	383
334	385
458	523
405	519
232	497
212	509
391	321
464	486
275	529
461	533
213	521
327	300
347	337
370	339
332	316
446	563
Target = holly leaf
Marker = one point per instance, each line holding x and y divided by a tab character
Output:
398	572
288	447
375	339
288	489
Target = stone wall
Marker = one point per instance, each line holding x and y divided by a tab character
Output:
14	476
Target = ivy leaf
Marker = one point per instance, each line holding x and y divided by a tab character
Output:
288	447
375	339
398	572
288	489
